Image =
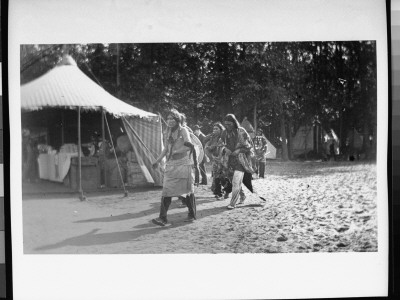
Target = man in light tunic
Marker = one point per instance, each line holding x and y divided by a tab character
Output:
178	175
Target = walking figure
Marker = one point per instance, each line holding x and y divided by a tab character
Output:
213	149
178	175
260	147
200	135
239	148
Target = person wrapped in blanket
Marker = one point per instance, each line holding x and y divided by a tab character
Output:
239	149
213	150
178	175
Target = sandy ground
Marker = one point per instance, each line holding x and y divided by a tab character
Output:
311	206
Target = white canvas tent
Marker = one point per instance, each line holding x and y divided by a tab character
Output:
303	141
271	150
67	87
311	138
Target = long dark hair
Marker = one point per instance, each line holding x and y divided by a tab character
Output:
232	118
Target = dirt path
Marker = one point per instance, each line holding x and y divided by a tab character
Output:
325	207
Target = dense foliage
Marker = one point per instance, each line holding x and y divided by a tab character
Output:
278	86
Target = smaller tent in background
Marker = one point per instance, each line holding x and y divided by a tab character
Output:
354	140
303	141
271	152
354	144
314	139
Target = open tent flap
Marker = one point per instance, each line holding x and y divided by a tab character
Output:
145	135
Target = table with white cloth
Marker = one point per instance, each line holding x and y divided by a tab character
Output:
54	167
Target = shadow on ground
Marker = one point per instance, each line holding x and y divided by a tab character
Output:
155	207
93	238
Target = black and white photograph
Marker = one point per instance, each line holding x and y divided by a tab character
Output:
283	156
246	146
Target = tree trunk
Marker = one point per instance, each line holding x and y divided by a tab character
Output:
255	117
366	146
285	156
223	82
290	140
374	142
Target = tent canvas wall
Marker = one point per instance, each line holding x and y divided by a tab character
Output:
313	138
354	139
146	140
67	87
303	141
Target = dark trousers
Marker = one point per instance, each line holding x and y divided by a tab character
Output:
166	202
217	187
202	172
261	169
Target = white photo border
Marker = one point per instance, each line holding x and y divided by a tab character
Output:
195	276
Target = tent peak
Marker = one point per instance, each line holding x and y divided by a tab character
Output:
67	60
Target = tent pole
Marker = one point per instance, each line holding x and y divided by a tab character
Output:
103	144
81	196
118	77
116	159
62	128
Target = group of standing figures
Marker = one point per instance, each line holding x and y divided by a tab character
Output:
234	155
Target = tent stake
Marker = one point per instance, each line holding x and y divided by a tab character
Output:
81	195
